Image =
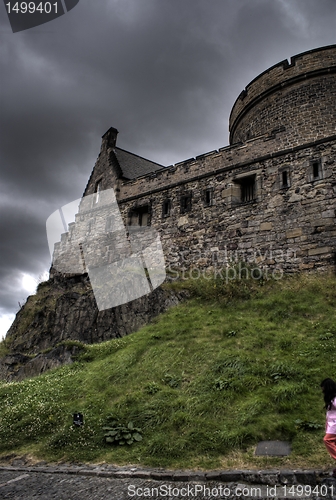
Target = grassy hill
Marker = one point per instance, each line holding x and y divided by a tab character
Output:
233	365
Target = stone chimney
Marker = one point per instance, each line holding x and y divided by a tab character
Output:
110	137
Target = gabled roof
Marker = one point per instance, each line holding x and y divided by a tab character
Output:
133	166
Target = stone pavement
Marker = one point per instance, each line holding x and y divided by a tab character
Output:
91	482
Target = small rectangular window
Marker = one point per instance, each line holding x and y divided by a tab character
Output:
185	203
134	219
244	189
208	197
285	178
109	223
97	191
90	226
143	219
166	208
316	170
140	216
247	189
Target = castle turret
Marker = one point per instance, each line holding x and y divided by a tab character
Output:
297	97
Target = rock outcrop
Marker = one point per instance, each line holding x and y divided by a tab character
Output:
64	310
17	366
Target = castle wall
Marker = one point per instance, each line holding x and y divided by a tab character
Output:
306	110
286	227
289	228
300	97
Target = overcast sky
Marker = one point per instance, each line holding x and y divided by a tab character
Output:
165	73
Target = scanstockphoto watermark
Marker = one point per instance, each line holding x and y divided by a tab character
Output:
241	271
230	264
199	491
227	254
226	491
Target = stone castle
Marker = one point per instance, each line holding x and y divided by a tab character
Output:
268	198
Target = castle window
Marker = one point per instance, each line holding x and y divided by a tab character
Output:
185	203
140	216
244	189
247	189
166	206
97	191
90	226
134	219
316	170
208	197
109	223
143	219
284	178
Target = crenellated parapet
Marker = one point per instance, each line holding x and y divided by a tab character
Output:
300	96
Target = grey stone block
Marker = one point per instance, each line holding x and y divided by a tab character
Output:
269	477
287	477
181	476
142	474
164	475
88	473
105	473
252	476
121	474
197	476
72	471
231	476
306	477
213	476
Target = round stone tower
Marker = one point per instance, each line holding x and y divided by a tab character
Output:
298	98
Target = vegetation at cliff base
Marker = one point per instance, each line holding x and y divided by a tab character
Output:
234	365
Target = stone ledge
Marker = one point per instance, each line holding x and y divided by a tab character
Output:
262	477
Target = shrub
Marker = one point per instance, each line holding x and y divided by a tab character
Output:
122	434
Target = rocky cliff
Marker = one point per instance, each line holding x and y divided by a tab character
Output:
63	311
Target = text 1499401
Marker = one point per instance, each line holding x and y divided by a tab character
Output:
31	8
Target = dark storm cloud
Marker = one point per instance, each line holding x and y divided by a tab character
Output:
164	72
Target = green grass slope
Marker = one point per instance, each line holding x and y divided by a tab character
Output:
205	382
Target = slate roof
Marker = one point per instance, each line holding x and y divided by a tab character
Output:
133	166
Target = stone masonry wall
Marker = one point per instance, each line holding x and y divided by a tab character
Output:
306	110
268	89
288	228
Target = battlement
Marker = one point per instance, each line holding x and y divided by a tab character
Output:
216	162
270	88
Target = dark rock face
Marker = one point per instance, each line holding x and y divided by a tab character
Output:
64	309
16	367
